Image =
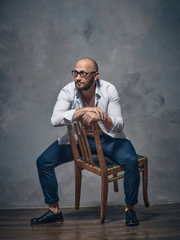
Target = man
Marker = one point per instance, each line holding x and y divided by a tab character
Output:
90	99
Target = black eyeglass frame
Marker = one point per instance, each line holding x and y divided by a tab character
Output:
76	73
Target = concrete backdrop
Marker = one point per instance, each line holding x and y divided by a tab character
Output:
135	42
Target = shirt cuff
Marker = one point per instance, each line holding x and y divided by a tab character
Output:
69	115
117	124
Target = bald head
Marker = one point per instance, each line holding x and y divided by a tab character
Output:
85	74
88	63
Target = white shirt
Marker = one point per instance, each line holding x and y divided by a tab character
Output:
106	97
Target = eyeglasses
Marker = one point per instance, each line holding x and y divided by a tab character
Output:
82	74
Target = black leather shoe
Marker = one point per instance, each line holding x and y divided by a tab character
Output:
49	216
131	218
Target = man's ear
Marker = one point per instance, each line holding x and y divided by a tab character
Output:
96	76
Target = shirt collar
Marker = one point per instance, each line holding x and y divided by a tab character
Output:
97	91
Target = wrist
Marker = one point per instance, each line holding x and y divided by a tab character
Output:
107	123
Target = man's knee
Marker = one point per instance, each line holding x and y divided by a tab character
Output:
132	162
40	162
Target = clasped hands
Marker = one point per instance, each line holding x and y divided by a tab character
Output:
93	114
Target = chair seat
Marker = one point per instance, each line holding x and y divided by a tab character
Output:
109	162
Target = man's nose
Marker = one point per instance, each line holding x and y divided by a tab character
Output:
78	77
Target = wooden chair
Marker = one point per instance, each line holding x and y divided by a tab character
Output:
99	165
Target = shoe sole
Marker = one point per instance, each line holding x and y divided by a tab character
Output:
37	223
132	224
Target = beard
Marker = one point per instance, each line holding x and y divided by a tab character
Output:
87	85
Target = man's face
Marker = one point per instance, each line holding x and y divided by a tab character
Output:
85	83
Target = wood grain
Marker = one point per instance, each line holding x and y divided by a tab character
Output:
159	222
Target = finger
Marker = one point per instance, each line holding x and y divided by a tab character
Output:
97	113
85	119
104	116
100	116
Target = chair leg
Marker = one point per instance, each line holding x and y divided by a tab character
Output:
115	183
104	195
78	177
145	183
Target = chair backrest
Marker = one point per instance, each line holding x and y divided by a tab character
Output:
86	154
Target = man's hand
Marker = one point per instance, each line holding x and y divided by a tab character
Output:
101	115
79	113
91	114
94	114
90	117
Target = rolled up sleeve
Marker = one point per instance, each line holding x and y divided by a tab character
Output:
62	113
114	110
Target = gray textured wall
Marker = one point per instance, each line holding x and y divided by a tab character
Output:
135	42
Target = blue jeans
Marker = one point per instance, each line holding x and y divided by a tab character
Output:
117	149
